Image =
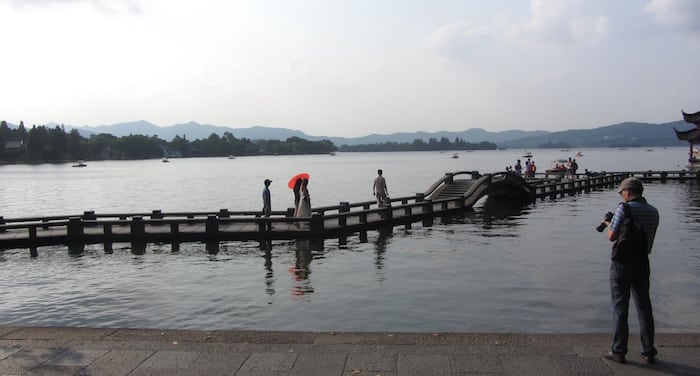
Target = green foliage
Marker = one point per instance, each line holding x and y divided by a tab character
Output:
433	144
42	144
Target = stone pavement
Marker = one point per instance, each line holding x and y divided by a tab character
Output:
88	351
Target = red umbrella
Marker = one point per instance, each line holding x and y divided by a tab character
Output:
296	177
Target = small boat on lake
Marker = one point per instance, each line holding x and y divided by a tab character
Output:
528	154
80	164
455	156
579	154
559	166
165	160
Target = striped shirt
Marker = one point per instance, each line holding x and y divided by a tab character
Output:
644	214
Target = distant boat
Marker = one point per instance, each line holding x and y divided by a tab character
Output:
331	153
80	164
231	156
579	154
165	160
455	155
527	154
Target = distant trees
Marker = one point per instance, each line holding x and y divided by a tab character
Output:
43	144
433	144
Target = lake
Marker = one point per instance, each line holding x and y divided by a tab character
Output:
498	268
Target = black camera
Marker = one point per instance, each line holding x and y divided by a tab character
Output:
607	218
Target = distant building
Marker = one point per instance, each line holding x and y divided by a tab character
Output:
171	153
14	149
692	136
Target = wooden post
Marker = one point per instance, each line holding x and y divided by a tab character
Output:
212	227
2	224
138	228
388	213
428	213
317	224
223	213
212	247
89	215
138	247
32	236
107	232
76	248
363	236
344	208
460	203
75	230
157	214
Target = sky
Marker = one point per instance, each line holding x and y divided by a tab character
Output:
350	68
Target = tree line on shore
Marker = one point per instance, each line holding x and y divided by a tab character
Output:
433	144
53	144
45	144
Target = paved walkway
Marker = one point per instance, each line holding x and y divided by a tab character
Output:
86	351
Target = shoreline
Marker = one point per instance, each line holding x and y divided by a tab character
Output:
114	351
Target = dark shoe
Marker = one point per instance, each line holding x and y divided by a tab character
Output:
618	358
649	359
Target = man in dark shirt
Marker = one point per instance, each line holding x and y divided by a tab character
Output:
267	203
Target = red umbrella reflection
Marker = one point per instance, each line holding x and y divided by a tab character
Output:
296	177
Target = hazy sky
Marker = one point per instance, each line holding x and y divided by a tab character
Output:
350	68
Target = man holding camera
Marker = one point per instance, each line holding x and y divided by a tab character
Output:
629	271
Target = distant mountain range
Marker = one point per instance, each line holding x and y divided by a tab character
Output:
623	134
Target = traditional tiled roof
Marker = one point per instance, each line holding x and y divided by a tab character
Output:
692	118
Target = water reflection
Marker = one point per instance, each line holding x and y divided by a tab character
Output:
380	245
495	208
269	273
301	271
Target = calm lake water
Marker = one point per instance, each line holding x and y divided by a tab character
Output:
541	268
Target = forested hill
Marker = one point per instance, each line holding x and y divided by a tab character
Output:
618	135
624	134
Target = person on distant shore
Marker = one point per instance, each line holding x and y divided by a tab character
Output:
630	270
379	189
267	203
518	168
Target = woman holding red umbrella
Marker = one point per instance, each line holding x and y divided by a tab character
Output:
302	200
303	209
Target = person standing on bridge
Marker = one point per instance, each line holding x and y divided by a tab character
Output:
267	203
303	209
629	271
380	190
